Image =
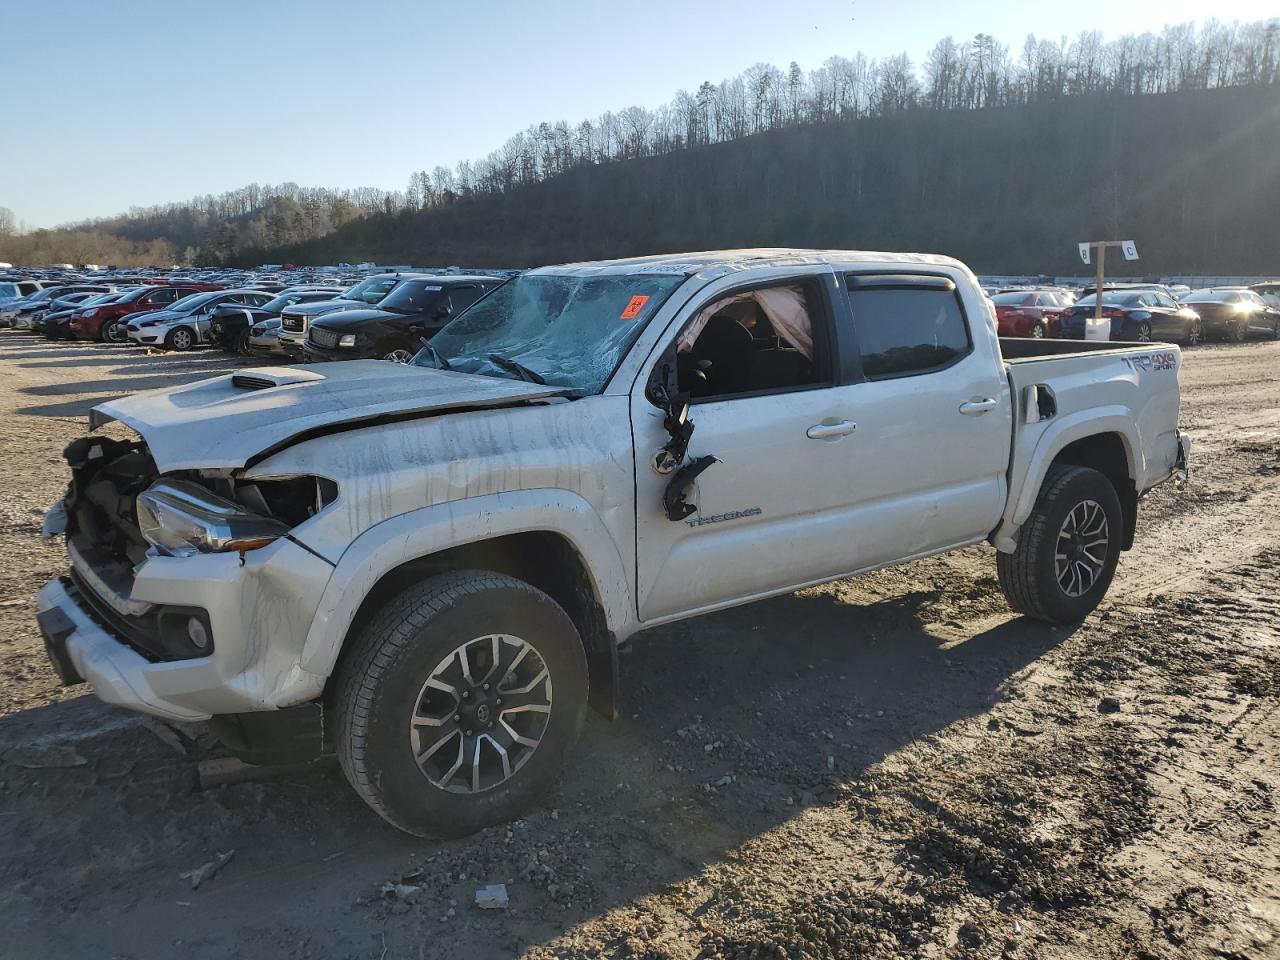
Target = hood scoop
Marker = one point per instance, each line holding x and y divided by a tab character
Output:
261	378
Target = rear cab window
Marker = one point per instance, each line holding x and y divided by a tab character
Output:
907	324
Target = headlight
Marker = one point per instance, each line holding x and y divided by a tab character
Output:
347	340
182	518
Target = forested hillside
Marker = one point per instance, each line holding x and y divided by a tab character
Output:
1003	158
1193	176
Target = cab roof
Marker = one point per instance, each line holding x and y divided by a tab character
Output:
745	259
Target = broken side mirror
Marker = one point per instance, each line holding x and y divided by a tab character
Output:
680	431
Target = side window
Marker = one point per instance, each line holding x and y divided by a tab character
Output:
766	339
26	289
162	296
463	297
1164	300
907	325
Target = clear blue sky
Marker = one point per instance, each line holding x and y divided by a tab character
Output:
112	104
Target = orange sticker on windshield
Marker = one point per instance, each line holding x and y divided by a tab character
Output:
633	308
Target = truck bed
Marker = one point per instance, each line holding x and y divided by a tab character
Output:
1064	390
1023	349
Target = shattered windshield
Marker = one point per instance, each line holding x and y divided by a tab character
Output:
571	331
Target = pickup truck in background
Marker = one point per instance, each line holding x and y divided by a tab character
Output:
428	567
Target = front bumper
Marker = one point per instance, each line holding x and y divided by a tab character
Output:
259	612
315	353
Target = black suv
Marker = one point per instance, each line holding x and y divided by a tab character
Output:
395	329
230	323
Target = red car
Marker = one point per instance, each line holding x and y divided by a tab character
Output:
1029	313
105	323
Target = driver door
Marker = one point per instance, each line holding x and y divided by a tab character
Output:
772	510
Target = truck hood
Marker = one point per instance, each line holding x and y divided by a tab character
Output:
230	421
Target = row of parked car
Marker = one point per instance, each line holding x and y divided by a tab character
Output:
1142	312
386	316
391	315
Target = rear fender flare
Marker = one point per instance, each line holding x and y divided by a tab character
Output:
1057	436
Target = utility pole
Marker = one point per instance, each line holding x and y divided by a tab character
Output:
1097	331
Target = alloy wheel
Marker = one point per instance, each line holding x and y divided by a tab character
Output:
181	340
399	356
1037	331
481	714
1081	553
113	332
1195	334
1144	333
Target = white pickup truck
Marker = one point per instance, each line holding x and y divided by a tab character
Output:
428	568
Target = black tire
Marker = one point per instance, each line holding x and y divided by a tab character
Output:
1144	332
1195	333
378	688
1236	332
1029	575
242	344
113	332
180	338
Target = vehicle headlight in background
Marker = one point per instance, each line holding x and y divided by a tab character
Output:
347	340
181	518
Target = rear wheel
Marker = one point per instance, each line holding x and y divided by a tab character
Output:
1067	550
399	356
1236	332
180	339
459	702
1144	332
1037	330
242	343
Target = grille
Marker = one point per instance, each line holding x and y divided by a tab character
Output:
293	323
324	338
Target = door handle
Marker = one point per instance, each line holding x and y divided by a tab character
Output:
976	408
832	430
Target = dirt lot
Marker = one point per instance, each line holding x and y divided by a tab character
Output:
890	766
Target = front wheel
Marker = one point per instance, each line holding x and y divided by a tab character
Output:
179	339
1195	333
113	331
1236	332
1144	332
1068	548
399	356
1037	331
459	702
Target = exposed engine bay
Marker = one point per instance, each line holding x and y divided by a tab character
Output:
108	475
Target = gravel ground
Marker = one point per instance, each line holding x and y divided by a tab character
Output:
883	767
